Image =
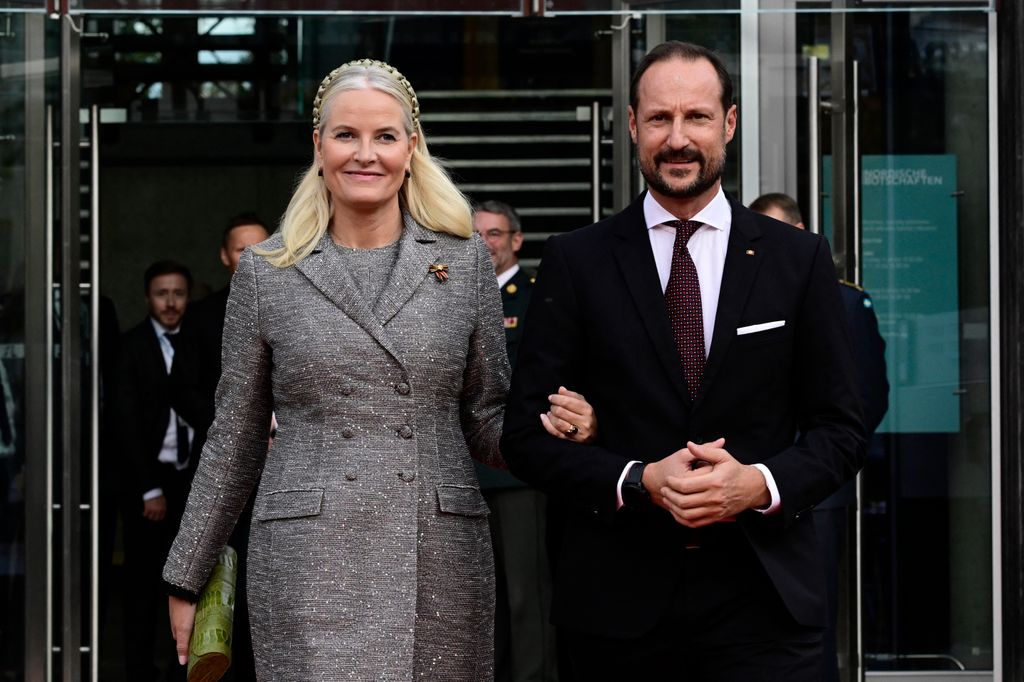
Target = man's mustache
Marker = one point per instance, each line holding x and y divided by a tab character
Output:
682	156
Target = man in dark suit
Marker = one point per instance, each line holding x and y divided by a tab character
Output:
831	517
206	324
706	337
524	646
156	425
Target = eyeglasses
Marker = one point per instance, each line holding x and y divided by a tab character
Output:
493	233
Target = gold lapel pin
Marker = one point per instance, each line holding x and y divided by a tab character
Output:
750	252
440	271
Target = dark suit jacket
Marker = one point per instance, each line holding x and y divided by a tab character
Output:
204	326
145	393
515	298
598	323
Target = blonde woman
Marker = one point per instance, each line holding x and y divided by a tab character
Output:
371	326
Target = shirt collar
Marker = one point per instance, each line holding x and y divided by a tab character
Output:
504	277
161	330
717	214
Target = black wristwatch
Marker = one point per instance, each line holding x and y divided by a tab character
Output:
634	494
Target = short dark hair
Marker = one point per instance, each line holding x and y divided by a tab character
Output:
688	52
785	203
166	267
501	208
243	218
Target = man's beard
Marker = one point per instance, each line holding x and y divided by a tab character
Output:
708	173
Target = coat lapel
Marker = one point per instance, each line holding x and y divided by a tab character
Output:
742	261
325	270
636	260
417	251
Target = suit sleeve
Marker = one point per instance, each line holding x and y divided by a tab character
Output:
830	448
140	472
485	380
550	356
236	447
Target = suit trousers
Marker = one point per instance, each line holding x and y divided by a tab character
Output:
146	544
524	639
725	623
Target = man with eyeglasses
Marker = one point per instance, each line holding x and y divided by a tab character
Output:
524	647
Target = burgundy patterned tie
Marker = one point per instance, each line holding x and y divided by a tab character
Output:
682	298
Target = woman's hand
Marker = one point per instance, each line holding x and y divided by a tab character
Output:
571	417
183	617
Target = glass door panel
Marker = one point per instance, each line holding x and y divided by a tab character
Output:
559	7
302	7
926	503
27	76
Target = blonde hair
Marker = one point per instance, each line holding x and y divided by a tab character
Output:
428	194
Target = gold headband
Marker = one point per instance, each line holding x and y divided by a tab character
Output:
318	100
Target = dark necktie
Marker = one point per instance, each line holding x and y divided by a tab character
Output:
179	422
682	298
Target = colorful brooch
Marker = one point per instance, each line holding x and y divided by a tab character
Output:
440	271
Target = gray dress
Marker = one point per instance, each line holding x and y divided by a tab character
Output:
369	555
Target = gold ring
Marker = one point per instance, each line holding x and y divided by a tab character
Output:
572	430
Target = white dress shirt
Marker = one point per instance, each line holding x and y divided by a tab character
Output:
707	247
504	277
169	451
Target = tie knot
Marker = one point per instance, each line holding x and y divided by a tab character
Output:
173	338
685	228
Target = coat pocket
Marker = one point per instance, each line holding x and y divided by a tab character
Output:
463	500
288	504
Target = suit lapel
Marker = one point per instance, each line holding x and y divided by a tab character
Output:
417	251
742	261
636	261
325	270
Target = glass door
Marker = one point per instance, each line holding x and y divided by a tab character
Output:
28	81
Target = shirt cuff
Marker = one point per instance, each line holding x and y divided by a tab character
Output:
773	490
618	486
152	494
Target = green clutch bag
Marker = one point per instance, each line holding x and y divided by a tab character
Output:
209	651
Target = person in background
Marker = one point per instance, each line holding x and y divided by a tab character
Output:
206	322
706	337
831	517
156	419
524	639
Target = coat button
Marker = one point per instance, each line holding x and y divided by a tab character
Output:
347	432
402	388
346	389
407	476
405	431
350	476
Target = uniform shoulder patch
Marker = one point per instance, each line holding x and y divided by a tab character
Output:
851	285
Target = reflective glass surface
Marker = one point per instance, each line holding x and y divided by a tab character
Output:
13	193
295	7
556	7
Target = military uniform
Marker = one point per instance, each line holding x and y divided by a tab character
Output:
524	639
830	517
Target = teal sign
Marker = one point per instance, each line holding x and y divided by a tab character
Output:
909	266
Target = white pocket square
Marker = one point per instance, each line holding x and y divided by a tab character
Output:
764	326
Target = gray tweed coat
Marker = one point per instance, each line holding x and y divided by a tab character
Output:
369	557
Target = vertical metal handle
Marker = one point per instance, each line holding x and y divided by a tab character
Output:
51	298
595	161
858	616
855	149
94	398
814	148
